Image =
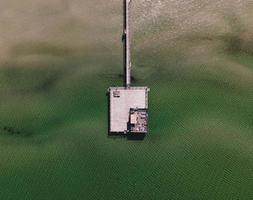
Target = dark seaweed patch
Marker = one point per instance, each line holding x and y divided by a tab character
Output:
14	131
40	48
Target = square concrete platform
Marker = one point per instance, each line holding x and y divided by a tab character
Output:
128	110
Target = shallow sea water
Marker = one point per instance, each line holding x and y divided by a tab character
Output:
57	59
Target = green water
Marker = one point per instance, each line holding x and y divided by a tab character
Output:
57	61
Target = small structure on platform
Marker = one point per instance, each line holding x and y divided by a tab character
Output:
128	106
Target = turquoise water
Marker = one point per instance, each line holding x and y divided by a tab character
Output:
57	61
